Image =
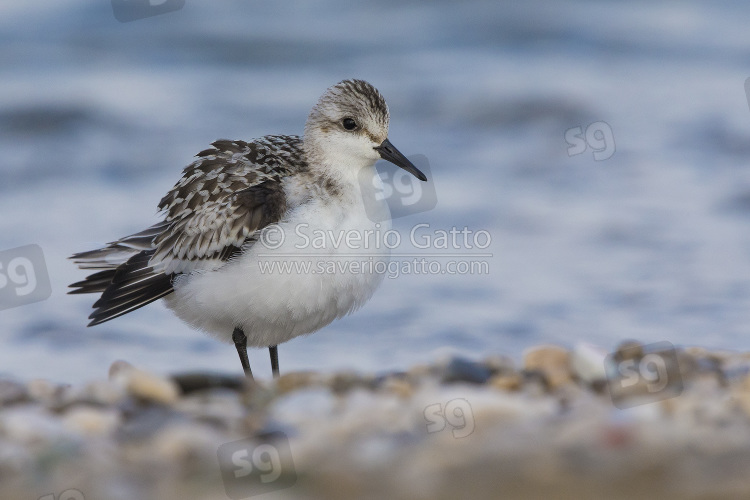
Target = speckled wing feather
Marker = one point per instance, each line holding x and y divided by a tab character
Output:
231	191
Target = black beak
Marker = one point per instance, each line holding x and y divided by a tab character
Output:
389	152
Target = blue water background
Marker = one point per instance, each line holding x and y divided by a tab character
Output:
98	117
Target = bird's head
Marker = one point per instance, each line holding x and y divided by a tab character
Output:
348	127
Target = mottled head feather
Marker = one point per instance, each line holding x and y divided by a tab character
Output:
357	99
330	138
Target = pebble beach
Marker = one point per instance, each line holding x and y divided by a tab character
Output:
554	424
602	145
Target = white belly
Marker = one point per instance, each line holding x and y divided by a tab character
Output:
276	294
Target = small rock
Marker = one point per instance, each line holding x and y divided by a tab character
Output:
381	378
30	425
341	383
58	398
293	381
314	404
418	372
629	349
587	363
742	399
119	368
257	395
91	421
184	442
732	368
103	392
12	392
669	406
535	382
149	387
397	386
219	407
144	422
464	370
43	391
551	360
692	366
500	365
510	382
193	382
62	397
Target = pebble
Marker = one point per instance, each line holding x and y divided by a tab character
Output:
629	349
258	395
43	391
119	368
185	441
587	362
150	387
510	382
418	372
398	386
30	424
344	382
104	393
535	382
464	370
12	392
309	404
217	407
455	429
91	421
733	368
499	365
59	398
195	382
552	361
293	381
741	394
143	422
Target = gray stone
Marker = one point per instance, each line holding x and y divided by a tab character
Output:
464	370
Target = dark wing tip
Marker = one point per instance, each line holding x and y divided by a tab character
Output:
130	286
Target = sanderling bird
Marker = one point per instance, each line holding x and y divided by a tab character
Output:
204	257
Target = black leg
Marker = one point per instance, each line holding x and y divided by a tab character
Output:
240	342
274	360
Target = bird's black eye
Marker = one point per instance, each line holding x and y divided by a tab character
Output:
349	124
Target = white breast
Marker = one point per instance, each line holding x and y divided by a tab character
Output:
326	267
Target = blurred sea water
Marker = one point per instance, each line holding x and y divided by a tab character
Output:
98	118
